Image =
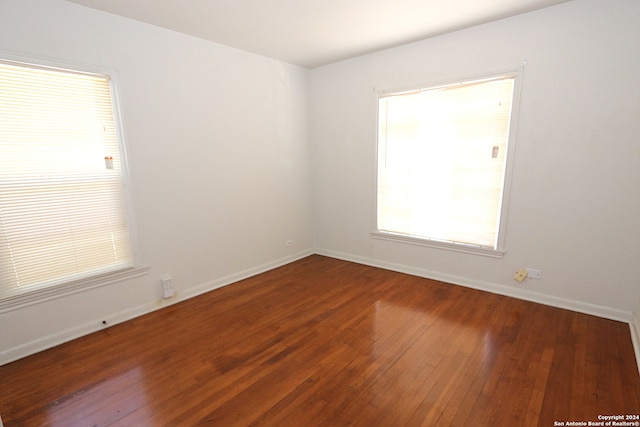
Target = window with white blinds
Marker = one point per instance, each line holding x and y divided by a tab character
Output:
63	217
442	157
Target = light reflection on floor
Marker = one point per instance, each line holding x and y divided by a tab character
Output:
394	320
104	402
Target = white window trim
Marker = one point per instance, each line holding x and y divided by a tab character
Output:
451	246
499	251
39	295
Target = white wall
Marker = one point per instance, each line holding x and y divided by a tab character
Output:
219	153
575	204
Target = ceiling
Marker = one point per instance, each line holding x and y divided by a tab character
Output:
311	33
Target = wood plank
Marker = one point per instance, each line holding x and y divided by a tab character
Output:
324	342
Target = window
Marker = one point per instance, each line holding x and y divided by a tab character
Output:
442	163
63	211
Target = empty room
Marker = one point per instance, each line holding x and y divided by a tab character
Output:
305	213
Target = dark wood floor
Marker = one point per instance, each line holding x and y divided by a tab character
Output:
322	342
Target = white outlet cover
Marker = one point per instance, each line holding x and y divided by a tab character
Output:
167	287
534	273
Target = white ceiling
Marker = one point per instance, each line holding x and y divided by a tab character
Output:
312	33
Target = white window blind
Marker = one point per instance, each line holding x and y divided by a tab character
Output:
441	161
62	210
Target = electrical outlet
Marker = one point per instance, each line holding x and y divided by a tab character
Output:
534	273
520	275
167	286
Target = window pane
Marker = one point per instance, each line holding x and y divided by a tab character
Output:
62	212
442	156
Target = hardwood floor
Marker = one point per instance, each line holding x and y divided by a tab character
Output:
323	342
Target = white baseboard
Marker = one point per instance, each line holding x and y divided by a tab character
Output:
233	278
635	337
606	312
35	346
32	347
581	307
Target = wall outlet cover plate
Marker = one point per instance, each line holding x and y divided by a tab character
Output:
520	275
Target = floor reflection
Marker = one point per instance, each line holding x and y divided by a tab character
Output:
103	403
430	334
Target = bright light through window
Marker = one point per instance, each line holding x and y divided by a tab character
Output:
442	156
62	200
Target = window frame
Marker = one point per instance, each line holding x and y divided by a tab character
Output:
45	293
500	248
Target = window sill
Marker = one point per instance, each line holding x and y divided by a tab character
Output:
35	296
450	246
